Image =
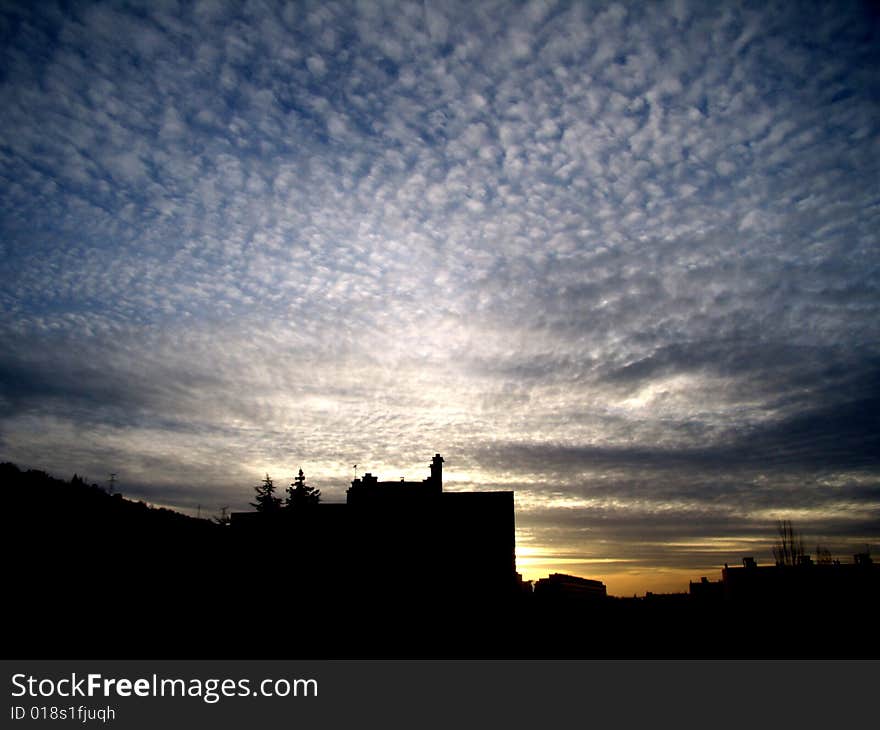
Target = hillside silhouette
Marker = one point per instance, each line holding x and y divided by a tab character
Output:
92	574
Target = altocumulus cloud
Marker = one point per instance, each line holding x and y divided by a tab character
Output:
620	257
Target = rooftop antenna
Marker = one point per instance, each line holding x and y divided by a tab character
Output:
112	481
355	467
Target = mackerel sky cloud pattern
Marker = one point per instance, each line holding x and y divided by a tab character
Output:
621	258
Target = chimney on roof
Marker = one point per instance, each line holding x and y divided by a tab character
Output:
437	471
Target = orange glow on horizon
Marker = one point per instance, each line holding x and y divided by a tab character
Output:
621	576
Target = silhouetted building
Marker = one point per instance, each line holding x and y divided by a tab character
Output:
815	583
408	538
708	591
369	490
524	587
569	586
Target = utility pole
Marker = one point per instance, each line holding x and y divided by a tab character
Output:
112	481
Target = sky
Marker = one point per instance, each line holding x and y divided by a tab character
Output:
621	258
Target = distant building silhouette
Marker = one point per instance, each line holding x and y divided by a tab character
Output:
705	590
807	581
570	586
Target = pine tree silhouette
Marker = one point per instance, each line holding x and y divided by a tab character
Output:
266	499
300	494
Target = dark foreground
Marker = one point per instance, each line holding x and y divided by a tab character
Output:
90	575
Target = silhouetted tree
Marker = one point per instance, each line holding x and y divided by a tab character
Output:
789	547
266	499
300	494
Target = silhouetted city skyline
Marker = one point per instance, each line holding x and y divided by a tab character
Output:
398	570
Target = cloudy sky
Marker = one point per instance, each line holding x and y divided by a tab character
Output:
621	258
